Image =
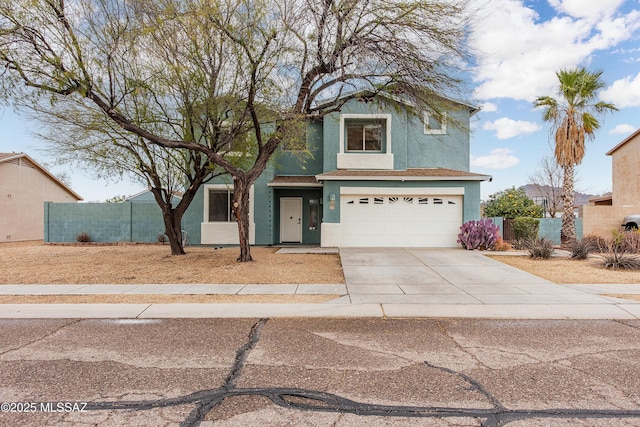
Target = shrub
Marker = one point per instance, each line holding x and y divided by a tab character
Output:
511	203
631	242
162	238
525	228
616	260
83	237
501	245
595	243
481	235
540	248
580	249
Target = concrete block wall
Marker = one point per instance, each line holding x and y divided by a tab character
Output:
104	222
549	228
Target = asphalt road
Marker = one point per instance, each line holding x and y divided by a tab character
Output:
319	372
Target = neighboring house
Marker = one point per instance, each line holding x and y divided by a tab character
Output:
605	214
25	186
147	196
374	175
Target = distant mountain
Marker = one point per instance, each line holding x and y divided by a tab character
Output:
581	198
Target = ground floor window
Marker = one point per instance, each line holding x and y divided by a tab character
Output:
220	203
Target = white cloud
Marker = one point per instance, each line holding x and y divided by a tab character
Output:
518	54
623	93
589	9
498	158
623	129
508	128
489	107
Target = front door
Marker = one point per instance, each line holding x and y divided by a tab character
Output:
291	220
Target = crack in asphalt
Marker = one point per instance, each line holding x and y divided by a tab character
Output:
43	337
317	401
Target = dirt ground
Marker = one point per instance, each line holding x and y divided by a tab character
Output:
565	270
37	263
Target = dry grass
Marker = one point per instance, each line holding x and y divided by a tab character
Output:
36	263
566	270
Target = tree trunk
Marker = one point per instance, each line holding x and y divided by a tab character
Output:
173	230
568	232
240	208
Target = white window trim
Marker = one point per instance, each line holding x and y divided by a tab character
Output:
363	159
385	117
218	187
443	125
222	232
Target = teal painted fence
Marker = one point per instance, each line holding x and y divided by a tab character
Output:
549	228
104	222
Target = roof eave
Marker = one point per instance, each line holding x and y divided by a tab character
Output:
624	141
402	178
46	172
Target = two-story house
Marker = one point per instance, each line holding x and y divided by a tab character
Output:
372	175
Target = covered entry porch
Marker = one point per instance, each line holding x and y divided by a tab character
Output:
297	210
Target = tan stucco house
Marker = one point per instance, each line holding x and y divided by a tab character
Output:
24	187
605	214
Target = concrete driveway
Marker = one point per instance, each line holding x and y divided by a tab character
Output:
452	282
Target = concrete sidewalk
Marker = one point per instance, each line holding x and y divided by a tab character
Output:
417	283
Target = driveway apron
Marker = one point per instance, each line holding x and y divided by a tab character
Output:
446	276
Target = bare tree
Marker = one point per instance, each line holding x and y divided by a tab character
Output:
547	182
243	72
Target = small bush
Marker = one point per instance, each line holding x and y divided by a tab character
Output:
525	228
83	237
162	238
481	235
580	249
595	243
631	242
501	245
615	260
540	248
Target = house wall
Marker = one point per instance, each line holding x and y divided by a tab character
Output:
410	146
626	177
307	162
23	191
450	150
603	220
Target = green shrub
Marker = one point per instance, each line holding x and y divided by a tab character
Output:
511	203
525	228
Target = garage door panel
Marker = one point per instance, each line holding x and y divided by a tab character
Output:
422	221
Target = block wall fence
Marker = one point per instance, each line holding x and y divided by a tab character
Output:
104	222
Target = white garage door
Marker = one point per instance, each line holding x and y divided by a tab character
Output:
397	221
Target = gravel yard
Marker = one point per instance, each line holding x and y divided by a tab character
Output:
37	263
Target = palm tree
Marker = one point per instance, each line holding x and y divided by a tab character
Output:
573	117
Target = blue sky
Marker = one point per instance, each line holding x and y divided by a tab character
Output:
520	44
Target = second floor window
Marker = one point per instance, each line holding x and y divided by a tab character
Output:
364	136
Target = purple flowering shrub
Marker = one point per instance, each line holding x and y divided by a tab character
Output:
481	235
